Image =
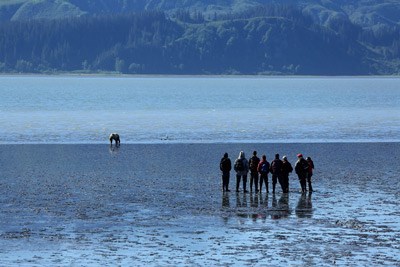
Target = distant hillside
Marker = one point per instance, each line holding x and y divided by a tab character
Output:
308	37
361	12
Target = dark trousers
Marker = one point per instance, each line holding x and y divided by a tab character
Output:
275	178
284	181
303	182
238	177
225	181
309	182
254	180
264	178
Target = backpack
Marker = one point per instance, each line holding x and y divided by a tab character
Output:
305	165
254	163
302	167
264	167
239	166
225	165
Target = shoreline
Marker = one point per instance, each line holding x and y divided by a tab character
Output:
116	75
162	142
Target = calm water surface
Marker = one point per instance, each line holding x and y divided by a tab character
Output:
72	109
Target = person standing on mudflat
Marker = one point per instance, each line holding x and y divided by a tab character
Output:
276	169
286	170
310	173
254	160
301	169
263	169
241	167
225	166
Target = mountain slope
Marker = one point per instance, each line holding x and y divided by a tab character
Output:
308	37
45	9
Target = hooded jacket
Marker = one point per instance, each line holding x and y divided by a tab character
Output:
245	164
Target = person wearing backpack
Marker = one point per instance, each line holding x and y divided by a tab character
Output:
301	169
225	166
286	170
263	169
276	170
241	168
310	173
254	160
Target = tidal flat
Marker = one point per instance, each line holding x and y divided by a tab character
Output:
162	205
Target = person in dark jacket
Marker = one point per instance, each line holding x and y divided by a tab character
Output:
241	167
301	169
253	162
310	173
263	169
286	170
276	170
225	166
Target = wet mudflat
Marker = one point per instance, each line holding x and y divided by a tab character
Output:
163	205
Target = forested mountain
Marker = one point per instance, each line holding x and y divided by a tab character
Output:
308	37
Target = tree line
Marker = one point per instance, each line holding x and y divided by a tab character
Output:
269	40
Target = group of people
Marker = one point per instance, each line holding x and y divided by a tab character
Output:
260	168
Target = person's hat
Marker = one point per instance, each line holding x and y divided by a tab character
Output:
300	155
284	158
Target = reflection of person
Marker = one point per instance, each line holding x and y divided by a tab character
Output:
225	166
274	207
254	201
253	162
276	168
310	173
264	202
225	201
304	206
301	169
225	205
263	169
280	208
241	167
286	170
283	205
241	202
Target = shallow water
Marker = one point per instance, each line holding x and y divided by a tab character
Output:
162	205
73	109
